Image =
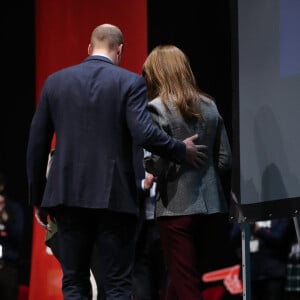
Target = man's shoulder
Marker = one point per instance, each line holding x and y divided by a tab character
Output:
128	72
131	78
79	69
62	72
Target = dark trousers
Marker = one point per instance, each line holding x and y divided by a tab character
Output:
268	289
97	271
96	267
149	275
8	281
80	230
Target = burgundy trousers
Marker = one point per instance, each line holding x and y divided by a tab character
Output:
178	238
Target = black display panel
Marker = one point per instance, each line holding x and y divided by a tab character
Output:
266	109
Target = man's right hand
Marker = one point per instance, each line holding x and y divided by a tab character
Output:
41	215
196	155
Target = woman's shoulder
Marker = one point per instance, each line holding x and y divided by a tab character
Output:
207	100
155	102
208	103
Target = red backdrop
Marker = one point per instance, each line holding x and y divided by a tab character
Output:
62	31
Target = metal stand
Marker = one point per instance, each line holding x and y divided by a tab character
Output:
245	232
297	228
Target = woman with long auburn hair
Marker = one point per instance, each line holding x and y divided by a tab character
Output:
188	199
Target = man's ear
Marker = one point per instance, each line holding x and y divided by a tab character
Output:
90	49
120	49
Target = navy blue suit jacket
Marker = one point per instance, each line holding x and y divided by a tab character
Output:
97	110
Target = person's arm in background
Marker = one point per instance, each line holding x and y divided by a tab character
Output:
144	180
275	235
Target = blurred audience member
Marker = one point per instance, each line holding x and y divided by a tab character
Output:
149	274
269	245
11	233
292	287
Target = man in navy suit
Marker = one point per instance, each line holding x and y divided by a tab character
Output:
97	110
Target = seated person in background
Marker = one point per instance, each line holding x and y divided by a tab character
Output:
11	233
269	246
292	285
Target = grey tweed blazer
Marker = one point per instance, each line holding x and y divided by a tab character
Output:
182	189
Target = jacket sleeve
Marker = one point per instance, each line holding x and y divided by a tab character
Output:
222	149
39	142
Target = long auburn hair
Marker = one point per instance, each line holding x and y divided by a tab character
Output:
168	75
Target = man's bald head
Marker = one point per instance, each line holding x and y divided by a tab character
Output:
106	36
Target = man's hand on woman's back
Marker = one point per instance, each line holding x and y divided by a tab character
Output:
196	155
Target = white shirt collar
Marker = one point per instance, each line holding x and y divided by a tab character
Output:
101	54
